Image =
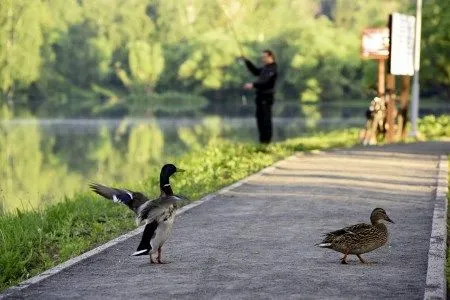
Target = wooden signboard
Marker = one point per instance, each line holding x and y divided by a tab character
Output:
375	43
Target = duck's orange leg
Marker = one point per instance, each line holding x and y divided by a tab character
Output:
344	259
151	259
160	257
361	259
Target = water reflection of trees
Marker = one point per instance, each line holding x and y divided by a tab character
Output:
40	167
31	172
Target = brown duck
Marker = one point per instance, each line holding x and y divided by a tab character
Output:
360	238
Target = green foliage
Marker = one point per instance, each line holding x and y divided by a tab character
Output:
84	58
435	61
80	58
355	15
175	102
208	61
36	240
172	103
435	127
146	62
20	42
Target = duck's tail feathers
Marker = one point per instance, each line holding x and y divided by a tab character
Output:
324	245
141	252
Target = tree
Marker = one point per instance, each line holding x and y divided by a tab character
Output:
435	61
106	57
146	63
20	42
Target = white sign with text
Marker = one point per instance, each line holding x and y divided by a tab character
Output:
402	44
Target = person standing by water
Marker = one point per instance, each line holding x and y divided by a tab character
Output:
264	87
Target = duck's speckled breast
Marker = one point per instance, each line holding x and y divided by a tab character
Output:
369	241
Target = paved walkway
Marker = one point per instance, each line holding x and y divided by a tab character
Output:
257	240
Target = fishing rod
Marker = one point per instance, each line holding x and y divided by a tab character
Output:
236	39
231	27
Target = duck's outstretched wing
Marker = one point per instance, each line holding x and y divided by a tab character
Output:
133	200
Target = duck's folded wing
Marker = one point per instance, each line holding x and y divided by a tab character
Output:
347	231
357	228
131	199
161	207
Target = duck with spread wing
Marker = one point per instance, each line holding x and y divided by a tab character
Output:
158	214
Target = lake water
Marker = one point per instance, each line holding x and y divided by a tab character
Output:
42	161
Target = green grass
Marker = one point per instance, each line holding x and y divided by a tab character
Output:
33	241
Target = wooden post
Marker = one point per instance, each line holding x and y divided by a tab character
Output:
404	104
391	109
381	77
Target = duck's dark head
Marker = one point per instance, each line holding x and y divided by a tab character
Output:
167	171
379	214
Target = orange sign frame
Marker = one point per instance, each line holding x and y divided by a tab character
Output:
375	43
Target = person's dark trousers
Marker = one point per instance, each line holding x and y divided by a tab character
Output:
264	104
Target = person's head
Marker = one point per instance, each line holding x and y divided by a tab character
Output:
268	57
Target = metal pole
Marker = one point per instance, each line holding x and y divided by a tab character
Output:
415	88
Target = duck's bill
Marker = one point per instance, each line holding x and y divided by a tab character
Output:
180	170
389	220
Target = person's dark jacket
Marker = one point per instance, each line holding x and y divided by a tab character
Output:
267	76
